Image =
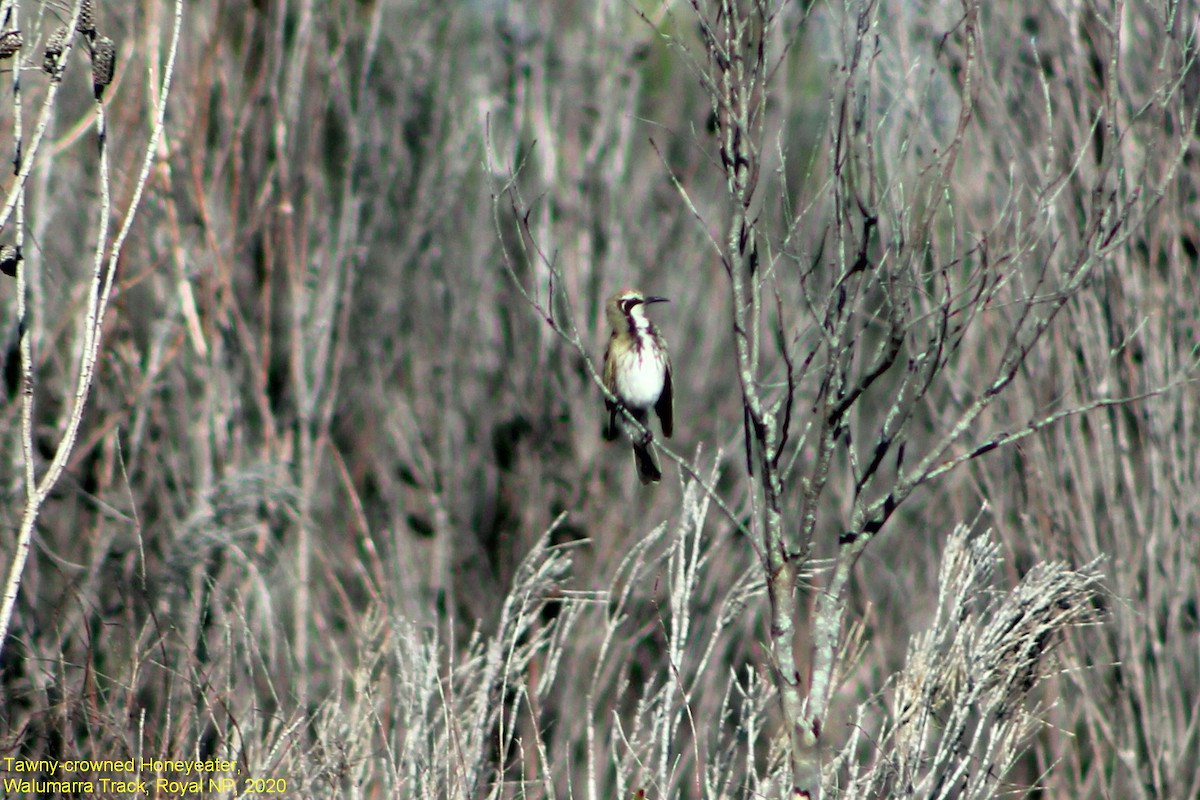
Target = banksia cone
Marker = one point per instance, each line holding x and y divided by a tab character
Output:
103	56
10	43
54	49
10	256
86	22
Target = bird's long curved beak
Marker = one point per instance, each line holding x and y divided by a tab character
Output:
649	300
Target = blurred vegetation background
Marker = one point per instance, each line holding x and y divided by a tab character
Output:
340	509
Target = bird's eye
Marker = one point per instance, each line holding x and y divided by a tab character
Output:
627	305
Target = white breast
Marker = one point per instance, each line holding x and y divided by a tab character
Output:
640	377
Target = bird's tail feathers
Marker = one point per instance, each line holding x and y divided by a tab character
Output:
647	463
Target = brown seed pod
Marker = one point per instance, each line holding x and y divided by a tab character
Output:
10	43
54	50
10	256
85	23
103	55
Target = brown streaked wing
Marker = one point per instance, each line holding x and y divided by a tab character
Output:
610	431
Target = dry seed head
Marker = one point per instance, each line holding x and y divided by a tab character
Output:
10	43
103	56
54	49
57	41
86	22
10	256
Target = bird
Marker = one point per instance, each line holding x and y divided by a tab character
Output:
637	372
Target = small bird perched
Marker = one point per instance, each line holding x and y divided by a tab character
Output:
637	371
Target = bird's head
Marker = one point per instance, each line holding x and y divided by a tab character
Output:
626	307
